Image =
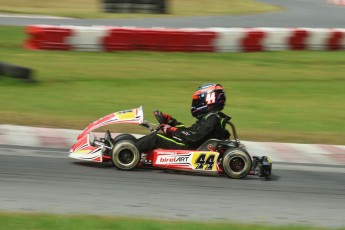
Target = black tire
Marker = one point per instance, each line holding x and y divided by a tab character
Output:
236	163
16	71
124	136
125	155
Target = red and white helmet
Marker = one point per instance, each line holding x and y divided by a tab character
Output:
208	98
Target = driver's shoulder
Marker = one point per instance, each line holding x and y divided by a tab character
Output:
212	115
217	116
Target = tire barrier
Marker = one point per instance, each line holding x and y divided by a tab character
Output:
15	71
109	39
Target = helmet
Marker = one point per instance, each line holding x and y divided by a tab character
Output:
208	98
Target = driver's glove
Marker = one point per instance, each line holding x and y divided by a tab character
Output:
168	130
166	117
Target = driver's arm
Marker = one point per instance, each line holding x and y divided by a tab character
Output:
198	131
174	123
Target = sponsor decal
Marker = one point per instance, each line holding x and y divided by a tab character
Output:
185	133
126	114
171	158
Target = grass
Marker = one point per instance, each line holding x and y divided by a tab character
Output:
85	222
93	8
272	96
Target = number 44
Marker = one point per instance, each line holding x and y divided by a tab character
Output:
211	98
201	162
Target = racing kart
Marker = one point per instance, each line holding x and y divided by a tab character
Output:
228	157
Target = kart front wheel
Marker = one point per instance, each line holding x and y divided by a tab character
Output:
125	155
236	163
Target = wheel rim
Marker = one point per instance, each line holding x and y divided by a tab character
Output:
126	156
237	164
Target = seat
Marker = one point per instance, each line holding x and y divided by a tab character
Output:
209	145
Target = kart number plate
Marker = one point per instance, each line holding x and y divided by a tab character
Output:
205	161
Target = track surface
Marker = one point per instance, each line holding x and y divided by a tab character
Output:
44	180
296	13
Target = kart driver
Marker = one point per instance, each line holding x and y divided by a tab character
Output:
208	102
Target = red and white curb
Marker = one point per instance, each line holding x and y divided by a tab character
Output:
337	2
278	152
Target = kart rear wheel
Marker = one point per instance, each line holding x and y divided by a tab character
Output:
236	163
125	155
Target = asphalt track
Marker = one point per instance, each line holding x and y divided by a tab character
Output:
45	180
295	13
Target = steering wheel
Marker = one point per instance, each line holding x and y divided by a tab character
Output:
159	116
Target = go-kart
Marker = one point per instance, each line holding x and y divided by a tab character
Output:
228	157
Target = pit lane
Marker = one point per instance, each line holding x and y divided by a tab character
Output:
46	180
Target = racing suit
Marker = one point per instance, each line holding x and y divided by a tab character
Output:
210	126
